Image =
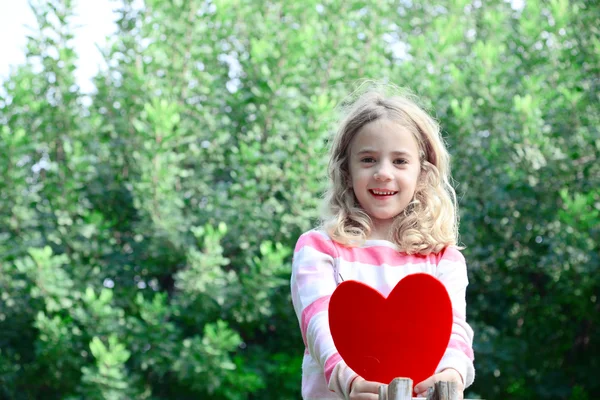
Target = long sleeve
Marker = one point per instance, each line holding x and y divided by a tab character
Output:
312	283
452	272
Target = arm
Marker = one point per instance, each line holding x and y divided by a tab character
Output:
312	284
452	272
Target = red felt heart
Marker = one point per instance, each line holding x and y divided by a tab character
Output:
404	335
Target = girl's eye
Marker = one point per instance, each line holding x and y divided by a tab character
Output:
401	161
367	160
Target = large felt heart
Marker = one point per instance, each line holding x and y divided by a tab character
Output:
404	335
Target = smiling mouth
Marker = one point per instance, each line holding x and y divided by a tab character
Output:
382	193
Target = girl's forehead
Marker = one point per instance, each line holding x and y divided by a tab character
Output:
384	135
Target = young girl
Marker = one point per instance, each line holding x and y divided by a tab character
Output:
391	212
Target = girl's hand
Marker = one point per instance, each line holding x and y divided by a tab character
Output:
447	375
361	389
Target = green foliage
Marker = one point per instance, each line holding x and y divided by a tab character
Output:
146	230
107	379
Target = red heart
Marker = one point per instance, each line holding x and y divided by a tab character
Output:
404	335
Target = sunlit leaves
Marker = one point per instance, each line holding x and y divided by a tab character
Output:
146	230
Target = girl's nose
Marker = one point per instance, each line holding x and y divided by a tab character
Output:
383	173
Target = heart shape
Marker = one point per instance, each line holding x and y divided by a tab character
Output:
403	335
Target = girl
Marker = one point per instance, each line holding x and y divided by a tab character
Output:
391	212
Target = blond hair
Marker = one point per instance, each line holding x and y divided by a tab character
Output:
430	221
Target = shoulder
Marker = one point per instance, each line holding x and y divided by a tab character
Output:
315	240
451	264
450	254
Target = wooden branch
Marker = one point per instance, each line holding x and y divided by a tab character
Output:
444	391
401	389
383	392
398	389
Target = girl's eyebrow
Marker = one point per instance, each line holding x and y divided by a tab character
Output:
404	153
366	151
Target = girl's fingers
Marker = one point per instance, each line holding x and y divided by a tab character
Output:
449	375
365	390
421	388
370	387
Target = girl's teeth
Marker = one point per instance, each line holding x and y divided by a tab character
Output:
383	193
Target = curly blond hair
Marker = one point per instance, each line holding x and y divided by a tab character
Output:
430	221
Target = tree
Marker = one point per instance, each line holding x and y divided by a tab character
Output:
146	231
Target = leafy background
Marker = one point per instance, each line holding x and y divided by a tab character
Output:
147	229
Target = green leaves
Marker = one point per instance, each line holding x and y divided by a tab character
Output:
204	363
205	276
162	119
560	10
463	110
50	281
146	233
581	210
108	379
107	357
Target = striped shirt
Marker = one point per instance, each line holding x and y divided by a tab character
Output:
320	264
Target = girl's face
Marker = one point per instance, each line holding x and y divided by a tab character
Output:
384	170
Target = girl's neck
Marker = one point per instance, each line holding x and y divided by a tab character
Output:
381	231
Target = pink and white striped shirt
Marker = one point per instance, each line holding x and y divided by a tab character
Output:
320	264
